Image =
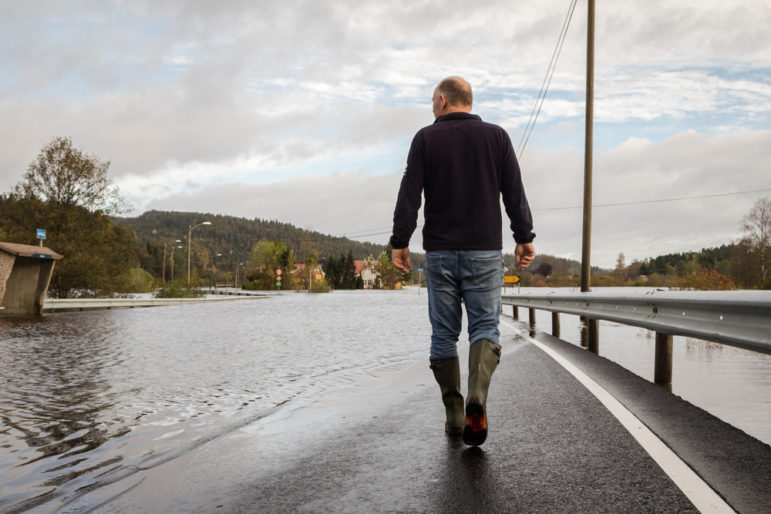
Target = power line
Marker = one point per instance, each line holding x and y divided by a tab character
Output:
660	200
546	81
379	232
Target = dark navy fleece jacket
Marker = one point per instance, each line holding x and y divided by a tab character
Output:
464	166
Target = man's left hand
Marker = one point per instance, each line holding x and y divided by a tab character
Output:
401	259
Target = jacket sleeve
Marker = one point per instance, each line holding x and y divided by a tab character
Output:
409	198
513	194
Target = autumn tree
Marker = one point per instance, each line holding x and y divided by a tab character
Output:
267	257
66	177
68	193
704	280
756	239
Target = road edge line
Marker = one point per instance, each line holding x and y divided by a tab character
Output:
691	484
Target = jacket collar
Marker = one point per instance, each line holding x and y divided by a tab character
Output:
457	116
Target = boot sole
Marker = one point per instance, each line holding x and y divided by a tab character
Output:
475	431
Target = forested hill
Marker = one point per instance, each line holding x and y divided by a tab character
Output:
235	237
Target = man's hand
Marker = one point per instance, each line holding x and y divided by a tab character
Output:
401	259
524	254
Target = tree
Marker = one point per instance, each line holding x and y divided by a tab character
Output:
757	237
349	271
310	268
389	276
545	269
620	269
64	176
705	280
333	272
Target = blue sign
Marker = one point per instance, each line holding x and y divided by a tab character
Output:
420	270
41	233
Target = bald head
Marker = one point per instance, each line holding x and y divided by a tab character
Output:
453	94
458	91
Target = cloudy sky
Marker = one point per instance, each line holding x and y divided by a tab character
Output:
303	111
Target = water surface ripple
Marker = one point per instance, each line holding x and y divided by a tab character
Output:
89	398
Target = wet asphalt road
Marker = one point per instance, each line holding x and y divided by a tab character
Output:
552	447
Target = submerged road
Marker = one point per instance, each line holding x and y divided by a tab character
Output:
553	447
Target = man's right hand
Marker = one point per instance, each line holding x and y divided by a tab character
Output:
524	254
401	259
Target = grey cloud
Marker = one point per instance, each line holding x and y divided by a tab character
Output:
304	86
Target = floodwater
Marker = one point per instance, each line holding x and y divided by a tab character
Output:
88	399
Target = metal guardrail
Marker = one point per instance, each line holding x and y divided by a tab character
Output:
87	304
736	318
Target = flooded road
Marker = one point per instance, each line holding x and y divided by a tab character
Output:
88	399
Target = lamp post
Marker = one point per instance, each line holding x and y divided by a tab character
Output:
175	245
239	266
189	237
214	272
163	275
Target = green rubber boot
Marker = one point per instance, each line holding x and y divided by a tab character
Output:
483	358
447	375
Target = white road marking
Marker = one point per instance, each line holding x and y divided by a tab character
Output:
697	490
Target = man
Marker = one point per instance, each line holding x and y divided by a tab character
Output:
463	166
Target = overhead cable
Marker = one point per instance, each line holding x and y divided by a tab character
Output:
546	82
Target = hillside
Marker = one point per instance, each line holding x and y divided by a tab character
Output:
232	237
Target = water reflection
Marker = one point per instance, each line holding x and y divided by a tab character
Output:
55	388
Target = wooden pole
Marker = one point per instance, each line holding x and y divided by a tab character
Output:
555	324
662	373
588	144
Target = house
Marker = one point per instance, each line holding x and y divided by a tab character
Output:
366	270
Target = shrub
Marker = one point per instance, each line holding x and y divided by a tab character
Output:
705	280
319	286
178	289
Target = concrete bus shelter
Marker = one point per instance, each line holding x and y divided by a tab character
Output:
25	272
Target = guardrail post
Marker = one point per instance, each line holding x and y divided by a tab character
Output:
515	312
531	316
555	324
662	373
593	344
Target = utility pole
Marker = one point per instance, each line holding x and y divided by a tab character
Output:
591	326
163	273
586	243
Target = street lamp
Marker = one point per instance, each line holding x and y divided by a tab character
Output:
175	245
239	266
189	237
214	272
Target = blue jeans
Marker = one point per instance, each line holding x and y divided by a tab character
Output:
475	277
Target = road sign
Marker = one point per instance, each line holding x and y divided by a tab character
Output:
41	233
278	283
278	272
510	280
